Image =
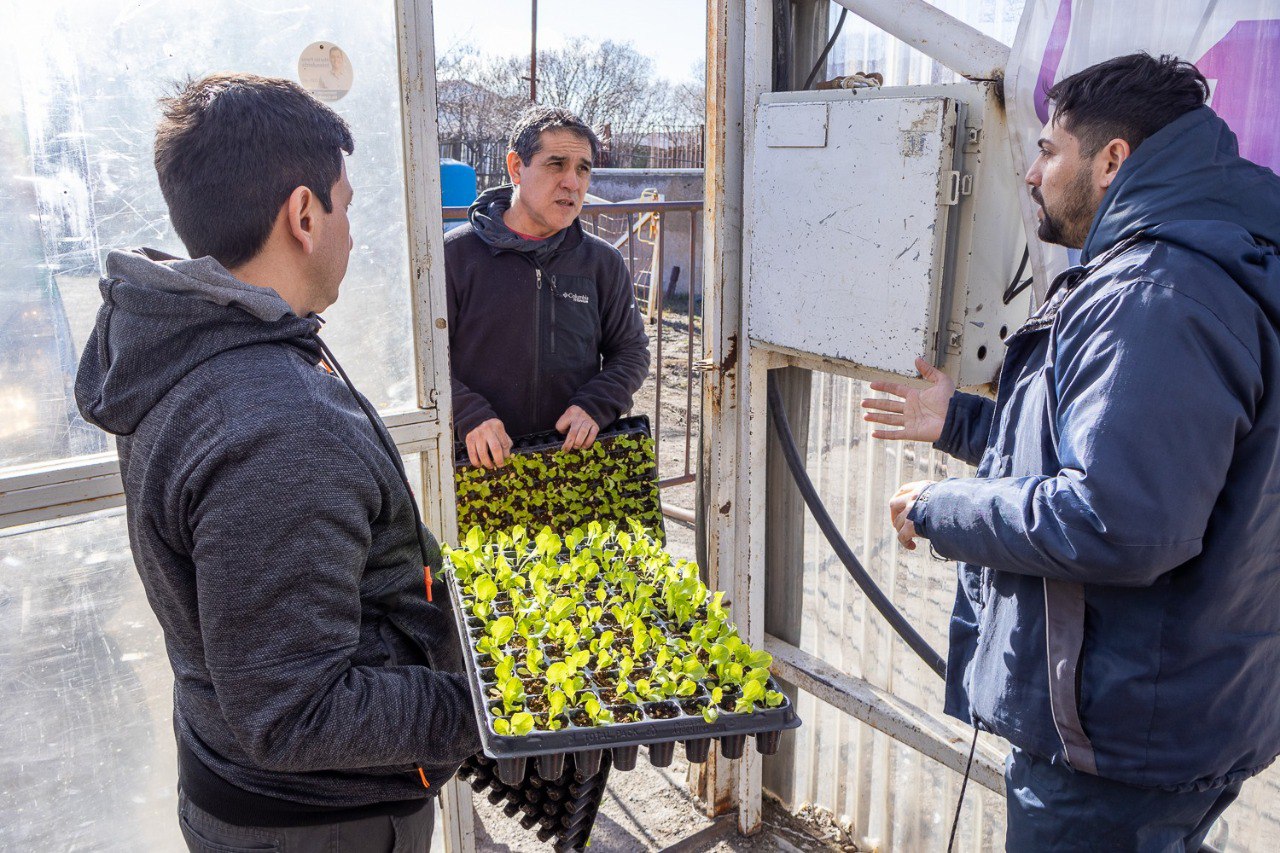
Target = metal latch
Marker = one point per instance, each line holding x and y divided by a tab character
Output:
955	337
704	365
951	187
955	184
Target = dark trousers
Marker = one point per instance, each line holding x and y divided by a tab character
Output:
1055	808
204	833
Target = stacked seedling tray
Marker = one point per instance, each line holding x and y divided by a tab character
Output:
561	811
598	643
541	486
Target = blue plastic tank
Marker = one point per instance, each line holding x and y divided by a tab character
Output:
457	187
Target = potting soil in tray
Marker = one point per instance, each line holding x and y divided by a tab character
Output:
640	650
542	486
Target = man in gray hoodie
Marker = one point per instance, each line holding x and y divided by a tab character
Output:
269	514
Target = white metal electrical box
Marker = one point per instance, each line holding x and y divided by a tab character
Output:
883	225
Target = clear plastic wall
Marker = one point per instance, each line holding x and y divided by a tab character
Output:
86	736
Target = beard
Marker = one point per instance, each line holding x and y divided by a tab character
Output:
1072	215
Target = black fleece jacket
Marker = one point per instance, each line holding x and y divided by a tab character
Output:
536	326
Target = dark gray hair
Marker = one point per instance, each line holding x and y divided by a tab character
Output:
526	136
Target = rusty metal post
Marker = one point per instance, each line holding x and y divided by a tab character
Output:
655	297
724	345
784	507
784	554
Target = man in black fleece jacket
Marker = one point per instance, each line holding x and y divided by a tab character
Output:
315	700
543	328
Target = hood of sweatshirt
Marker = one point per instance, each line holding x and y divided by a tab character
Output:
1188	185
486	219
161	317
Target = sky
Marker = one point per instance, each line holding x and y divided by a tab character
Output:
671	32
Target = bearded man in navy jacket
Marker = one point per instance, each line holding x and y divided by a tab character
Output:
1118	612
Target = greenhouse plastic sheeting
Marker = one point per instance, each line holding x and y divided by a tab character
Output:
1235	43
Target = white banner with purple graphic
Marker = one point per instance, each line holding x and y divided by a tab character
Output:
1234	43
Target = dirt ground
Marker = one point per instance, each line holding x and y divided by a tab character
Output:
650	809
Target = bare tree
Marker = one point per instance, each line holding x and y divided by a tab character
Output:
688	105
468	105
610	86
610	83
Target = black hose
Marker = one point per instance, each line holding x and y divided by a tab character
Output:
831	42
898	622
781	45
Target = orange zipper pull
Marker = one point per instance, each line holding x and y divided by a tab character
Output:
426	574
423	777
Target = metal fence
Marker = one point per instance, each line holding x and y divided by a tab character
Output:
657	148
487	156
647	263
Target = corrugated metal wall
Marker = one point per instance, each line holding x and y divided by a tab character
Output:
891	795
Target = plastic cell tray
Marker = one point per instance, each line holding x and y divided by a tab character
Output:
561	811
555	512
659	725
552	440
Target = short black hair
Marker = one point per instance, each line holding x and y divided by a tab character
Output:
1128	97
231	148
526	136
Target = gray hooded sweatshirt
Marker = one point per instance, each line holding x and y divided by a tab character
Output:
277	545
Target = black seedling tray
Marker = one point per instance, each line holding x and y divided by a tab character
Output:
551	440
622	740
640	483
561	811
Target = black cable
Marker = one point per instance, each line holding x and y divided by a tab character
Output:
896	620
781	45
955	823
1014	287
831	42
386	445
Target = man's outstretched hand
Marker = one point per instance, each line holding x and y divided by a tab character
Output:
488	445
579	428
920	413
